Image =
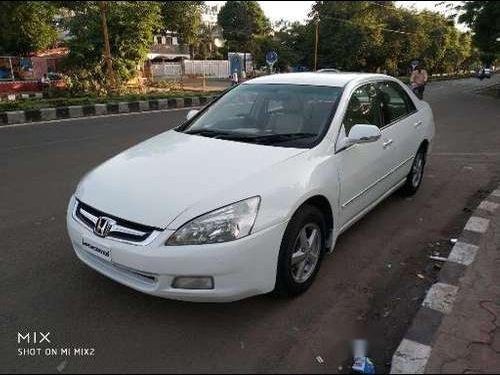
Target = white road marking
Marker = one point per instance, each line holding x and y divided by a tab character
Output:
440	297
496	193
477	224
410	358
489	206
463	253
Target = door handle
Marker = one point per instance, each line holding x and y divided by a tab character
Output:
418	123
387	143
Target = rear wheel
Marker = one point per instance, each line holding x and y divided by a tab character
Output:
301	252
414	178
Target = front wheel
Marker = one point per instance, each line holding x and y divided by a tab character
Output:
301	252
414	178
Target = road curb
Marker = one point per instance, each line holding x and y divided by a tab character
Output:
77	111
415	349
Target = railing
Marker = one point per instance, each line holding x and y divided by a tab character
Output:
207	68
165	70
174	70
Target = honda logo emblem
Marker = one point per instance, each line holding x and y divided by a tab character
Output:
103	225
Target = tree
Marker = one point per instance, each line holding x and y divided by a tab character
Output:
483	18
207	48
348	34
27	26
131	26
377	35
183	17
292	43
242	22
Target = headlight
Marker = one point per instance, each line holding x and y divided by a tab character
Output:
224	224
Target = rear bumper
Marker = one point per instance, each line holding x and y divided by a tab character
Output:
240	268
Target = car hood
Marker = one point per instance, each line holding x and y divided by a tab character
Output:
155	181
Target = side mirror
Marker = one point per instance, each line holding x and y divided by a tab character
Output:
191	114
363	133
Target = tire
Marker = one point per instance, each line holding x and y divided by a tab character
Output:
297	269
414	178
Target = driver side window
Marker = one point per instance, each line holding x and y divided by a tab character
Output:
362	108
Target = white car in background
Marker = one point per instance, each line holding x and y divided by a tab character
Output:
249	193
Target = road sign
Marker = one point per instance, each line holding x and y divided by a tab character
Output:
414	63
271	57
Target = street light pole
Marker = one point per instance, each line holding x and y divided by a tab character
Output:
107	50
316	46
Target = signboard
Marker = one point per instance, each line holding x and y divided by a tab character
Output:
237	62
271	57
414	64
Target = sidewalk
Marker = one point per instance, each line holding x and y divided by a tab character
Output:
468	339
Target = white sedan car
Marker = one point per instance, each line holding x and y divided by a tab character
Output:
248	194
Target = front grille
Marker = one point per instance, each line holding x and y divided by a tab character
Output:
122	230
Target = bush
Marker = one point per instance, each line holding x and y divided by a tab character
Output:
91	99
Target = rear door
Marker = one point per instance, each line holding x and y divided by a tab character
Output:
401	125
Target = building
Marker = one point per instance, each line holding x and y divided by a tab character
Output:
166	47
213	32
210	13
32	67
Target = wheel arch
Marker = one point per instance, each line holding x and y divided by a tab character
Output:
322	203
424	145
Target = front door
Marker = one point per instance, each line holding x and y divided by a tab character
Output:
363	168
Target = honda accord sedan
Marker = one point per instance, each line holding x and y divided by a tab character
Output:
250	192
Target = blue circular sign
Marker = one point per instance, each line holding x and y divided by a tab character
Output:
271	57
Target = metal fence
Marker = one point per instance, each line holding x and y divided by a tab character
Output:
166	71
194	68
207	68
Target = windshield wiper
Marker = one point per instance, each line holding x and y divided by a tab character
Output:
209	133
260	139
278	138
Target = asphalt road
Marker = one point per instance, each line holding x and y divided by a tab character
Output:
368	288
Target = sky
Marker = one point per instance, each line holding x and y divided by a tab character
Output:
298	10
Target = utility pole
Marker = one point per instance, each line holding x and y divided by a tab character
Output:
107	50
316	46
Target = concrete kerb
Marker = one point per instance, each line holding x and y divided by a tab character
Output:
415	349
76	111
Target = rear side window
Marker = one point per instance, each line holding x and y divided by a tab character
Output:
394	102
363	108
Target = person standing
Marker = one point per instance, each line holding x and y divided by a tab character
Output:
418	80
234	78
481	73
45	83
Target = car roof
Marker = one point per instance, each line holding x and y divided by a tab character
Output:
316	79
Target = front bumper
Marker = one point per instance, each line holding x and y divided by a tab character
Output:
240	268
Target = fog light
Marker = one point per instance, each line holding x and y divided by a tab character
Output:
193	282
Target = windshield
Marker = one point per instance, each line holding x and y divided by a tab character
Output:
272	114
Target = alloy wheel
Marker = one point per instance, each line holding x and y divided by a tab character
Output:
306	253
417	170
